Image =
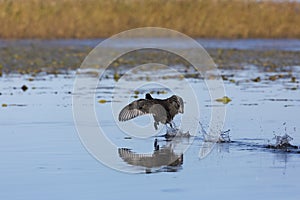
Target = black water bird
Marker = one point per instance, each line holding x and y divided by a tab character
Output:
163	110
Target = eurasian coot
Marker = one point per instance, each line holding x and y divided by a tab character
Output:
163	110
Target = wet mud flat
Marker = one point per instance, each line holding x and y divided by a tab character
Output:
42	155
58	56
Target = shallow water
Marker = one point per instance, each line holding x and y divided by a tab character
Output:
43	157
241	44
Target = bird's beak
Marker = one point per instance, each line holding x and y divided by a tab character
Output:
180	109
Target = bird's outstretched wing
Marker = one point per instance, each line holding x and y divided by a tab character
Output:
134	109
142	107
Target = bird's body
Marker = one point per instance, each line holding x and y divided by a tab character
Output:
163	110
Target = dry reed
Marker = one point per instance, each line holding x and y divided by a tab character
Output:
101	18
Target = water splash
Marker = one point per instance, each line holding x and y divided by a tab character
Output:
175	132
282	142
221	137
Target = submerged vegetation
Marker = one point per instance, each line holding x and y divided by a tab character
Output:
100	18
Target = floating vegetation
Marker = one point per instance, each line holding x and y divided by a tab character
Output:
249	104
24	88
116	76
161	92
225	78
90	72
158	92
18	105
273	78
257	79
102	101
293	79
224	100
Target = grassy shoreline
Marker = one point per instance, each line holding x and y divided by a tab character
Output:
48	19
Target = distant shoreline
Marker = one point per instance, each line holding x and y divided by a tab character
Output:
61	56
55	19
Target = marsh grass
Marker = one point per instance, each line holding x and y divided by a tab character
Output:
101	18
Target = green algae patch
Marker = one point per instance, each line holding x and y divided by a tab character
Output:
102	101
224	100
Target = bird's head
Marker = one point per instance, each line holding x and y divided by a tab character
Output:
177	101
148	96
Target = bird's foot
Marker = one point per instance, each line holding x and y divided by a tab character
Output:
171	132
172	128
176	132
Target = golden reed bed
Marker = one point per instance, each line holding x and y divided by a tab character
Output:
102	18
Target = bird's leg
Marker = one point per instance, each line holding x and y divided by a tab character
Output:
155	125
173	125
169	128
156	146
171	131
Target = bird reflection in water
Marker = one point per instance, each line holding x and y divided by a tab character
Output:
163	159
